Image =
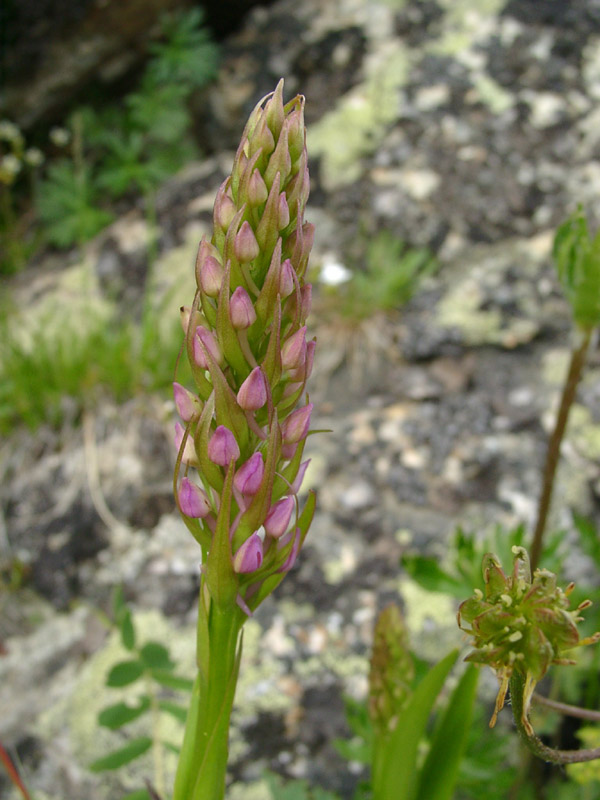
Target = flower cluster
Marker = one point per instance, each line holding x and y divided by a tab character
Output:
392	671
245	425
522	625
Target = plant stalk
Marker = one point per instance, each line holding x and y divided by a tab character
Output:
577	362
203	758
535	744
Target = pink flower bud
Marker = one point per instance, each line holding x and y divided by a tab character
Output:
283	212
187	403
245	245
224	211
204	340
193	501
205	251
241	309
249	476
293	352
222	447
295	427
278	518
189	452
257	189
252	394
249	557
262	138
211	276
286	279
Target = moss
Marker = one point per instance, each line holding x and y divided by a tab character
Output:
463	24
357	125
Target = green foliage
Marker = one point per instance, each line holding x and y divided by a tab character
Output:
83	360
68	205
149	660
186	55
391	275
460	572
132	148
296	790
577	256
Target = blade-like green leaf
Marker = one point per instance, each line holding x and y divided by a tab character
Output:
166	678
127	630
156	656
140	794
397	777
120	714
428	574
440	771
174	709
124	673
122	756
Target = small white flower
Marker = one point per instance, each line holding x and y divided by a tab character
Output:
33	157
9	132
59	136
10	165
333	273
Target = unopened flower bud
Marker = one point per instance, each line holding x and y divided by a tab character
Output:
224	211
283	216
249	476
249	557
245	246
241	309
278	518
204	341
295	427
193	501
189	452
293	352
252	394
222	447
257	189
187	403
286	279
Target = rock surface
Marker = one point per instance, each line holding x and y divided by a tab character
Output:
469	127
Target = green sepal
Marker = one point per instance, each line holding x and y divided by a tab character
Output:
209	310
226	333
210	472
245	178
280	162
266	300
267	231
221	580
272	361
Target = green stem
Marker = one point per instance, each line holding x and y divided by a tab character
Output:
537	747
203	759
568	396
